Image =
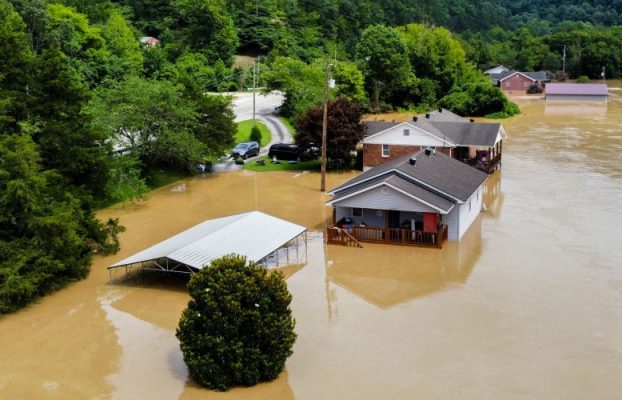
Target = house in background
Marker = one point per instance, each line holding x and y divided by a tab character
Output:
516	82
496	70
477	144
149	41
419	199
593	92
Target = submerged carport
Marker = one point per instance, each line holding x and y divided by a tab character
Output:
260	237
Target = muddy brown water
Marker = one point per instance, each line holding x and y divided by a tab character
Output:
527	306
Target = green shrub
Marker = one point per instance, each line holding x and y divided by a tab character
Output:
583	79
255	134
238	328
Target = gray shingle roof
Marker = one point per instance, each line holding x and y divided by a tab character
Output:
402	184
535	75
438	173
446	125
373	127
469	133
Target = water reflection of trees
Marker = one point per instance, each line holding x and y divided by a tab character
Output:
389	275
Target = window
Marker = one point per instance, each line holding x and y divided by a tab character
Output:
357	212
406	132
385	150
507	84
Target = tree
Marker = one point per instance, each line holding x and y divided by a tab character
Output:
384	62
15	59
344	129
238	328
126	57
205	25
45	231
301	82
66	139
151	118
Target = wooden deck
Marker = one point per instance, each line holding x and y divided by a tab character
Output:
399	236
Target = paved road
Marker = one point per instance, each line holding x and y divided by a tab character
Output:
265	111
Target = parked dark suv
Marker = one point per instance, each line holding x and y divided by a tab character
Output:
245	150
286	151
283	151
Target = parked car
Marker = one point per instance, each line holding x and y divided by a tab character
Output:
283	151
245	150
286	151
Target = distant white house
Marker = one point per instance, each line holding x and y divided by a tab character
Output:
420	199
149	41
496	70
477	144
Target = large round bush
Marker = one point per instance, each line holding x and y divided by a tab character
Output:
238	328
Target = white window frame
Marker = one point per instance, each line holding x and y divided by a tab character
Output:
386	152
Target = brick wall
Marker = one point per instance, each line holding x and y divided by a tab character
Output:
517	84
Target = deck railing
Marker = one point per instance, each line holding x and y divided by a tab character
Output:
389	235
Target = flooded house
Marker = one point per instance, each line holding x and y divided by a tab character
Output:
419	199
577	92
516	82
477	144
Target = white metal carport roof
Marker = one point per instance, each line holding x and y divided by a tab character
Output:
254	235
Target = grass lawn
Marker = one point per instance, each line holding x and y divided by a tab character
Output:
289	125
160	177
284	166
244	132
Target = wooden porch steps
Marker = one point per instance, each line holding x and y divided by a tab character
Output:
338	235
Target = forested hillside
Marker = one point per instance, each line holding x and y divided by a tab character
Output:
91	115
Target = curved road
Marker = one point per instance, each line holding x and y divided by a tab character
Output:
265	111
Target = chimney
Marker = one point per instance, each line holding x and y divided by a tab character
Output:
471	120
412	161
415	119
427	115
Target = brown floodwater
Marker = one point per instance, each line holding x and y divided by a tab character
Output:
527	306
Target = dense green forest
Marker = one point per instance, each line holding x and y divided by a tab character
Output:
89	115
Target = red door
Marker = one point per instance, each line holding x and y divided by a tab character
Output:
430	222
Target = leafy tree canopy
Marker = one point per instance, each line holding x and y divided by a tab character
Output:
238	328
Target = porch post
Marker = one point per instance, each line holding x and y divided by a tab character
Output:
386	226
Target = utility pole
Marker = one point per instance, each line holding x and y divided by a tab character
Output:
324	123
603	74
255	73
564	62
254	89
328	82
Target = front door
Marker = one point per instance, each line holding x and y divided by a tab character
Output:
394	222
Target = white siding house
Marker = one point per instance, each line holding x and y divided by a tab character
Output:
420	199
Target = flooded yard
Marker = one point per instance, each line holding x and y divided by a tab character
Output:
528	305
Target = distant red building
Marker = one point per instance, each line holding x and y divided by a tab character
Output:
516	83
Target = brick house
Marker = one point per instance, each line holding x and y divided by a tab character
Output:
515	82
478	144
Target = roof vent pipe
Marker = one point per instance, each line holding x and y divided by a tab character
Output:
471	120
428	152
440	110
415	119
427	115
412	161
